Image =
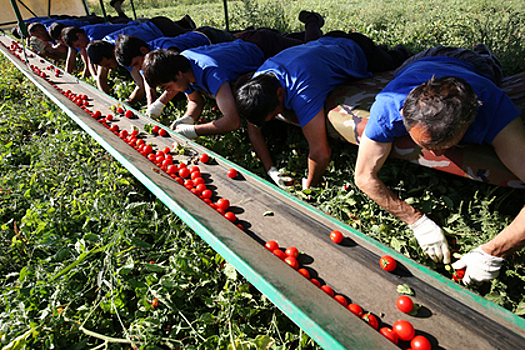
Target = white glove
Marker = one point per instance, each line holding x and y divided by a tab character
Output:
303	183
480	266
187	130
431	239
185	119
280	180
155	109
37	44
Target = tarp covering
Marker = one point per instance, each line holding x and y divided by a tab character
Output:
30	8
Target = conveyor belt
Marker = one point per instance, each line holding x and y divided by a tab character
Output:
452	317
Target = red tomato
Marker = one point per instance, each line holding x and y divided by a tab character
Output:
195	175
270	245
229	215
209	194
405	304
304	272
184	173
404	330
167	162
128	114
279	253
201	188
232	173
292	262
292	251
341	300
336	236
167	150
371	320
355	309
194	169
151	157
224	204
109	117
97	114
155	129
162	132
120	110
204	158
328	290
387	263
419	342
124	133
389	334
172	169
148	149
114	128
316	282
155	302
188	183
134	132
240	226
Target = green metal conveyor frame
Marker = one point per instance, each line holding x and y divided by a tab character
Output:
322	318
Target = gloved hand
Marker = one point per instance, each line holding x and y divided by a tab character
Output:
37	44
185	119
303	183
187	130
280	180
155	109
480	266
431	238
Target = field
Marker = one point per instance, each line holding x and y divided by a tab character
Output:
91	260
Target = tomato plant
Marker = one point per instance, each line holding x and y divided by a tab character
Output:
336	236
387	263
405	304
404	330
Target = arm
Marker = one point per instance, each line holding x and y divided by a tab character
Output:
510	147
70	60
259	145
371	157
511	239
140	91
319	155
102	79
88	68
230	120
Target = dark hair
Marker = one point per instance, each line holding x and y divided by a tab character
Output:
257	98
127	48
69	35
98	50
55	29
444	106
33	27
162	66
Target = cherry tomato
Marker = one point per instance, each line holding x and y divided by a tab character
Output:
224	204
124	133
167	150
120	110
109	117
341	300
336	236
355	309
404	330
97	114
387	263
199	181
292	251
195	169
155	302
188	183
405	304
172	169
270	245
196	175
208	194
328	290
184	173
148	149
162	132
151	157
371	320
155	129
128	114
279	253
200	188
304	272
389	334
292	262
229	215
316	282
204	158
419	342
232	173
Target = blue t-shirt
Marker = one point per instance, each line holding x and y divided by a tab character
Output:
146	31
217	64
189	40
309	72
99	31
68	23
496	112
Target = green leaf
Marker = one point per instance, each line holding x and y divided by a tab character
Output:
263	342
520	309
230	271
405	289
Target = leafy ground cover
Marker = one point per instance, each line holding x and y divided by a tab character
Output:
88	252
